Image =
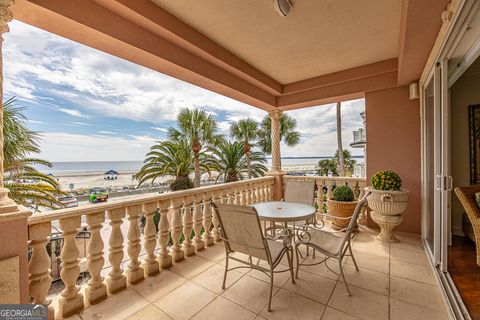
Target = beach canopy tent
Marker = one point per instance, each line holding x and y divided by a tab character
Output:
111	175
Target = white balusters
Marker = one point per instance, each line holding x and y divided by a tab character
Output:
116	280
150	263
207	220
164	258
216	198
134	270
71	301
176	230
197	223
187	246
39	279
319	196
96	290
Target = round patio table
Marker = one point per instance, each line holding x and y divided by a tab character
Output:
282	211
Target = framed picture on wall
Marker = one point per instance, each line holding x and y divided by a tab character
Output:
474	134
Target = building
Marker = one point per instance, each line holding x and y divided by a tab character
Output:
360	141
405	57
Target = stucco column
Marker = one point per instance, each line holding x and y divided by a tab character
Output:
13	220
276	168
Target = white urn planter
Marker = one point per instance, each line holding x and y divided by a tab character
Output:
387	210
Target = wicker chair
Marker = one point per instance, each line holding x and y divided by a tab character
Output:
466	195
241	232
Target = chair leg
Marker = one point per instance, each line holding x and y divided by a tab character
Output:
225	274
298	261
343	276
290	263
353	258
271	290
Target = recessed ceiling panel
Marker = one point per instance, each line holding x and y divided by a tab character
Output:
317	38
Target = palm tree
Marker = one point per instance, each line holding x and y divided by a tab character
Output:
199	129
348	162
229	160
341	162
287	133
27	185
168	158
246	131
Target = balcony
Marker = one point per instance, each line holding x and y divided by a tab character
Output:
145	275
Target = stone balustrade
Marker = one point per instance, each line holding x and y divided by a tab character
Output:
324	189
185	218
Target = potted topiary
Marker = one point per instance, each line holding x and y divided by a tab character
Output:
341	205
388	201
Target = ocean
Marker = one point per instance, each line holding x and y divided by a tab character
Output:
130	166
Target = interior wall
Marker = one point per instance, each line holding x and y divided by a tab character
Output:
393	143
465	92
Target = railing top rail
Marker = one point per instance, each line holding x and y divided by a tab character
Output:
47	216
326	178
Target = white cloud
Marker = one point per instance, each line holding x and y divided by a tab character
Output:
60	146
73	112
159	129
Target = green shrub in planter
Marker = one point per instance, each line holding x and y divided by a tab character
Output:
343	193
386	180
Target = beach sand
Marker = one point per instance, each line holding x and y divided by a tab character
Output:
87	180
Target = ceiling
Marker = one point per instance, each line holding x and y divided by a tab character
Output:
324	51
319	37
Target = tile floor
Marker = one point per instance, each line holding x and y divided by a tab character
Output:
395	282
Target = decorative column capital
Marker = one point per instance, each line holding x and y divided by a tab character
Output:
275	114
6	15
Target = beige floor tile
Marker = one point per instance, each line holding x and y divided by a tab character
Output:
408	245
312	286
400	310
130	302
287	305
221	309
411	256
333	314
363	304
212	278
215	253
153	288
366	279
185	301
417	293
370	261
191	266
250	293
321	269
151	313
412	271
373	248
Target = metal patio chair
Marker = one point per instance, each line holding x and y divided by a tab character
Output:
332	244
241	232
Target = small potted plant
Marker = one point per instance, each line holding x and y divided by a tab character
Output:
388	201
341	205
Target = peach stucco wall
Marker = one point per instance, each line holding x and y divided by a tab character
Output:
393	142
13	242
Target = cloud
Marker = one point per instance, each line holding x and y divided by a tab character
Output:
73	112
61	146
160	129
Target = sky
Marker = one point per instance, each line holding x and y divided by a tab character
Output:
91	106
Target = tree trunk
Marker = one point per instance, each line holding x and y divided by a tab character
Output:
196	180
341	162
247	156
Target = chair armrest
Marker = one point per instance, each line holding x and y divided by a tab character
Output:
285	235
